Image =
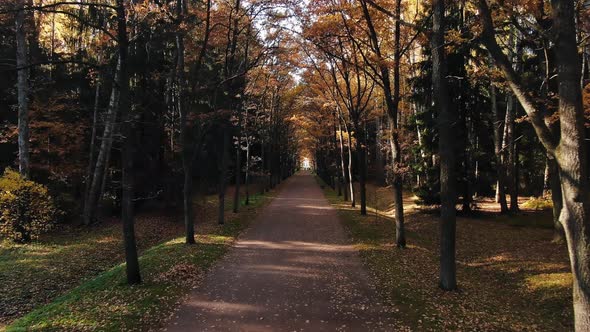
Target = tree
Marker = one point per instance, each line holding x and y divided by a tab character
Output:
95	182
190	147
187	155
447	119
127	154
22	88
352	86
498	125
392	100
567	146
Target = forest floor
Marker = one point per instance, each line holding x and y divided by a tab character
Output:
511	277
43	272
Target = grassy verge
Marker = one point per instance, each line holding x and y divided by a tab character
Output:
510	278
34	274
169	270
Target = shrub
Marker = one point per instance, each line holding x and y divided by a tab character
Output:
427	195
26	208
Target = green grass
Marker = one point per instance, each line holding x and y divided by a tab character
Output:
169	271
106	302
36	273
538	203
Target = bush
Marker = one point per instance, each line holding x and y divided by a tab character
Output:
26	208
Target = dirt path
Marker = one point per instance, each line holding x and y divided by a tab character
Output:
293	270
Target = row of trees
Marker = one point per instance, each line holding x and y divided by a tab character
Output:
124	103
459	99
121	103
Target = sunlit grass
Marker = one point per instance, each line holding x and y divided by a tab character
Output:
538	203
549	281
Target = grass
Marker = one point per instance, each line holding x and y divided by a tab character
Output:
106	302
510	278
538	203
36	273
169	270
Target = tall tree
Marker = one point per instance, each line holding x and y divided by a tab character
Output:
392	100
22	88
447	119
96	181
567	145
187	155
223	160
128	151
498	130
508	152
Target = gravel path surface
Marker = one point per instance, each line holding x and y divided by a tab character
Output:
293	270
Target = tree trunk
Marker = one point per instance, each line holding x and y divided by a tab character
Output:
93	197
263	182
424	159
515	180
92	152
345	178
465	162
379	164
336	154
247	175
189	214
572	160
22	87
508	151
269	182
362	168
350	178
127	153
546	179
271	163
556	197
223	176
187	154
238	164
398	201
396	156
446	121
500	173
392	99
103	184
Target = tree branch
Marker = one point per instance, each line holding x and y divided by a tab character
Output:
535	113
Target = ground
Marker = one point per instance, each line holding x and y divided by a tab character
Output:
305	263
293	270
47	270
510	275
34	274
